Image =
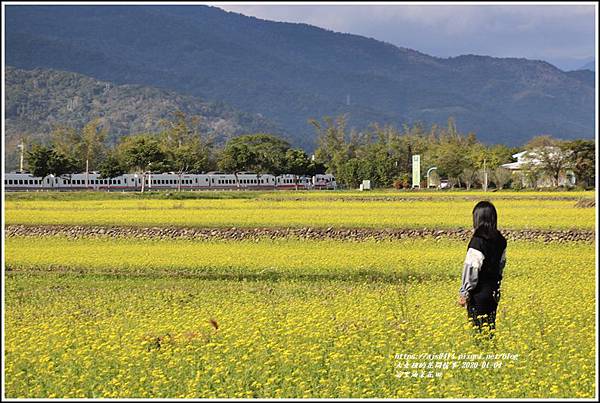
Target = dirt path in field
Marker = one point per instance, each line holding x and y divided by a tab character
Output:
347	234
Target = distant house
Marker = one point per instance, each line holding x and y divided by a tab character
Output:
522	171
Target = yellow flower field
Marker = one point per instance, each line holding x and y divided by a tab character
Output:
268	212
289	318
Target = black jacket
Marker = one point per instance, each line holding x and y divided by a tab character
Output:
482	271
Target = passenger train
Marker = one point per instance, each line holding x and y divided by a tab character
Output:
15	181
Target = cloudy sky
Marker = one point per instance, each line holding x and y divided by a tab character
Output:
564	35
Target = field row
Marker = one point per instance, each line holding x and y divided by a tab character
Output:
442	214
124	318
305	195
271	259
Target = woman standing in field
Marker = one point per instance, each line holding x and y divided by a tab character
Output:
483	266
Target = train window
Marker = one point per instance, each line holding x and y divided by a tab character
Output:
20	181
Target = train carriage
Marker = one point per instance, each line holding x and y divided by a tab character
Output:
16	181
288	181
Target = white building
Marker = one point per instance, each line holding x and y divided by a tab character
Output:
521	171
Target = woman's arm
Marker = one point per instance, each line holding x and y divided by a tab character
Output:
470	274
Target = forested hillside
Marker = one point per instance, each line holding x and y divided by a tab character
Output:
292	72
40	99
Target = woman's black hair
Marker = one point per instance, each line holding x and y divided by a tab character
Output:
485	220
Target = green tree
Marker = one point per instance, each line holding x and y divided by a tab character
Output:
67	141
142	154
468	176
296	163
350	173
551	156
583	160
186	149
93	147
501	177
112	166
44	161
332	147
261	153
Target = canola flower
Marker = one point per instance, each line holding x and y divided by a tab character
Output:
269	211
286	318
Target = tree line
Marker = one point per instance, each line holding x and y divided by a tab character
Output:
179	147
381	153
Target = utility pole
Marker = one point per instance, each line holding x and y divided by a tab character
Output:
22	147
87	167
485	180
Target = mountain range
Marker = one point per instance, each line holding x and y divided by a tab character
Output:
589	66
289	73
